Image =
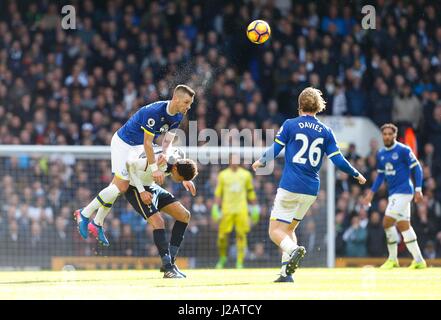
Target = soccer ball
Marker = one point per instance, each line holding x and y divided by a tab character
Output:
258	31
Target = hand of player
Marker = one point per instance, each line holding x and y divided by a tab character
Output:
368	199
215	213
146	197
158	176
162	160
255	214
361	179
419	197
257	164
189	186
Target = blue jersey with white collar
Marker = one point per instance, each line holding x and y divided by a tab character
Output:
396	164
154	119
306	140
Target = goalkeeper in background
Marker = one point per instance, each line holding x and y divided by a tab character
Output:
233	192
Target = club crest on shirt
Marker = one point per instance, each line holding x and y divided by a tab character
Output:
151	122
395	156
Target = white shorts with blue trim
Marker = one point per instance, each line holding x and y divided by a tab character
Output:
120	152
398	206
289	206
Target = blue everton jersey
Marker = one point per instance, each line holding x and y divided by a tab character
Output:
153	119
306	140
396	163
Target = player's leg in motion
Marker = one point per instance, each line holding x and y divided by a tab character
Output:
104	200
151	214
225	228
159	237
398	212
392	243
288	210
182	217
284	276
410	239
281	233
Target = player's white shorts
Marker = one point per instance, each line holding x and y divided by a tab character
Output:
120	153
289	206
398	207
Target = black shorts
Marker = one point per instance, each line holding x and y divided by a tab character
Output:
161	198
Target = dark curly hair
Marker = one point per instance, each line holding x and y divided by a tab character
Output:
187	168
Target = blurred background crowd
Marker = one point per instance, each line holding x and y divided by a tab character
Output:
77	87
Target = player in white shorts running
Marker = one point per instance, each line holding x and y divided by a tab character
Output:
305	140
395	164
142	128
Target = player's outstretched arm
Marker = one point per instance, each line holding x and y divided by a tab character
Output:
342	164
269	155
158	175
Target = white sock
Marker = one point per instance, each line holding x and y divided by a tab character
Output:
106	197
285	258
287	245
392	242
410	239
101	215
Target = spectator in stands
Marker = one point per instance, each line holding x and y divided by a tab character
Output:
407	109
355	238
376	240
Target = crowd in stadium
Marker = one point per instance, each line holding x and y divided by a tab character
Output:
77	87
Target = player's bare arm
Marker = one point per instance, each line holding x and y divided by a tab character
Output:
158	176
167	142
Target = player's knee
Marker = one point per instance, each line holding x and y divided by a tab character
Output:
387	223
240	236
186	216
156	221
403	226
122	186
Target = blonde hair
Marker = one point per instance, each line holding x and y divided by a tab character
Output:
185	89
311	100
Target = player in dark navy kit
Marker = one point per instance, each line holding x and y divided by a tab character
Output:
395	164
141	129
305	140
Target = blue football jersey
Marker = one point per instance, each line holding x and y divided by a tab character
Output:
153	119
306	140
396	163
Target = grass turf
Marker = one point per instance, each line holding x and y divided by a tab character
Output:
245	284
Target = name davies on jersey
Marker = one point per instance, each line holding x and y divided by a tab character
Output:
310	125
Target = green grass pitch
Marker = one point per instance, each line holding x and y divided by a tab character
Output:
245	284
